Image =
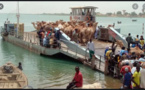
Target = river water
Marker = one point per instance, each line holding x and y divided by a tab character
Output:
46	72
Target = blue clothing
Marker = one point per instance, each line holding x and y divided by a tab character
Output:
121	52
96	33
127	79
44	41
133	45
105	52
50	33
58	35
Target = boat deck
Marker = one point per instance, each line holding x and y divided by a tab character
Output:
30	41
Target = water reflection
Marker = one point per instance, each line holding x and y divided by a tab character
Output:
45	72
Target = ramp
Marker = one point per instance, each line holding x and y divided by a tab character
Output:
74	46
117	36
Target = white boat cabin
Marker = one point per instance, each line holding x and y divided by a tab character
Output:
86	13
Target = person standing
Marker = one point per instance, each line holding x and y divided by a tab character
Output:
129	40
122	51
141	41
107	48
142	76
75	36
123	68
91	48
137	39
136	78
39	34
141	59
127	79
77	80
96	32
107	60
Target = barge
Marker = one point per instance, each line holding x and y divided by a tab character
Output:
14	33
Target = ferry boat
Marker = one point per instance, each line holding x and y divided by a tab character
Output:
14	33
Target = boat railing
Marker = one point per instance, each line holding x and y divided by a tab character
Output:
31	37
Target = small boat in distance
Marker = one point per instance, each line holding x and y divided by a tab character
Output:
119	22
12	77
134	20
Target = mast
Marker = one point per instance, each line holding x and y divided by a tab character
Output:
18	18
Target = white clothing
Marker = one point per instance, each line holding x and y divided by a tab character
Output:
141	60
96	33
142	78
134	69
90	46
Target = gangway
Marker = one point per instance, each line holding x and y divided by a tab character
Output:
117	36
74	46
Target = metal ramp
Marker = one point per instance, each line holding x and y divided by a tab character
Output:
117	36
74	46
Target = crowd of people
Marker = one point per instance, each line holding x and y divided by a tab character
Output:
127	65
49	38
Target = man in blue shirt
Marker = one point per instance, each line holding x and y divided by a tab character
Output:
127	79
122	51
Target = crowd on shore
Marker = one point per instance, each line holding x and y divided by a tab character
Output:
127	65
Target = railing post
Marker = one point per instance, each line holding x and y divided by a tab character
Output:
100	62
85	54
76	50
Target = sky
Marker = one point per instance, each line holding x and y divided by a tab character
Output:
38	7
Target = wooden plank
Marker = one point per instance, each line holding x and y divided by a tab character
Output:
6	85
10	85
9	74
15	85
11	81
1	85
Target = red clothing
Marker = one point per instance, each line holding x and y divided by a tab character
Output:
79	79
48	33
123	69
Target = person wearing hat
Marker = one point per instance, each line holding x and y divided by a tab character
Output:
127	79
142	76
122	71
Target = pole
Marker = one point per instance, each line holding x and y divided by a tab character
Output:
18	18
143	30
